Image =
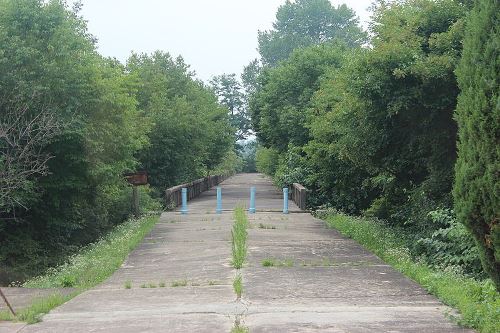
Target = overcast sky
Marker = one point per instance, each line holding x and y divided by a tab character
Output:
213	36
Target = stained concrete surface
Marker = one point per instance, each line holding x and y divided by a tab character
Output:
327	283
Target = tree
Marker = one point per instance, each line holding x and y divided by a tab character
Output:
390	110
477	177
48	62
308	22
23	138
280	106
191	132
229	91
249	78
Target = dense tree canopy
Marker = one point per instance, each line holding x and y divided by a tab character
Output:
191	133
303	23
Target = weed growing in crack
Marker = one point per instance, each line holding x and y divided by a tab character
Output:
270	262
238	285
239	237
179	283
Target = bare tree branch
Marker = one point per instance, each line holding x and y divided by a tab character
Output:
23	136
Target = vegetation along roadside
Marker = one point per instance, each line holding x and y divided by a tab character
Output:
477	301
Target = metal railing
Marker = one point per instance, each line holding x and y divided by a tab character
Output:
173	195
298	194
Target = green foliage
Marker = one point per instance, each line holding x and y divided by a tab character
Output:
389	111
449	247
247	151
229	91
279	107
477	302
48	62
266	160
477	184
308	22
291	168
191	133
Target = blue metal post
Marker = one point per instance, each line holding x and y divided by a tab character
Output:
218	210
184	208
251	210
285	200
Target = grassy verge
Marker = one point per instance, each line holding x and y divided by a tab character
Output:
477	301
99	260
91	266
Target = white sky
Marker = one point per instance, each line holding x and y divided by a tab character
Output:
213	36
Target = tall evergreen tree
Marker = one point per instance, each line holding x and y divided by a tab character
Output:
477	172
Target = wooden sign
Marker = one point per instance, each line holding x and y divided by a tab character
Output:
137	178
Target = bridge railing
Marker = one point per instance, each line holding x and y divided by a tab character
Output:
298	194
173	195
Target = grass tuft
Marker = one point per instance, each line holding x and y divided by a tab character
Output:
238	285
239	237
271	262
128	284
477	301
179	283
266	226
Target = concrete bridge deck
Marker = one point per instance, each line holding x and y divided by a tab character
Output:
322	282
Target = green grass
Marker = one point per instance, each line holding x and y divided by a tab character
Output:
239	238
238	285
477	301
179	283
271	262
92	265
98	261
161	284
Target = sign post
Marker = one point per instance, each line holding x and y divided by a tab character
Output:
136	179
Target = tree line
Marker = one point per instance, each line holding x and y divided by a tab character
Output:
368	122
72	122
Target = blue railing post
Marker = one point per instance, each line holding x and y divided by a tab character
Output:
285	200
218	210
184	208
251	210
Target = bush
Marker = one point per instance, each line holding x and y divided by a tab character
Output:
451	246
266	160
